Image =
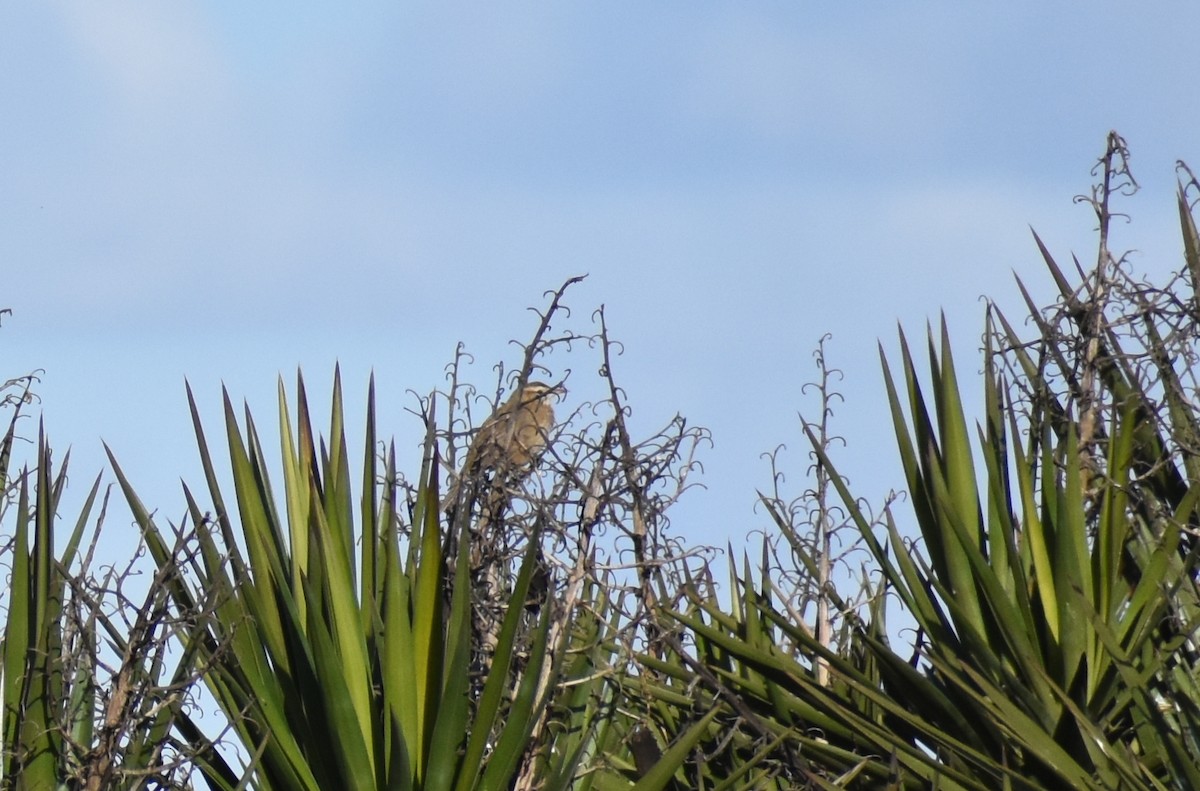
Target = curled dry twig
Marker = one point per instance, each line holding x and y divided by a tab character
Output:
597	503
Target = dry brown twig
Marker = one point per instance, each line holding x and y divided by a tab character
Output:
596	500
139	697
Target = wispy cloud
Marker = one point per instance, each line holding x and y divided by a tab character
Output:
154	57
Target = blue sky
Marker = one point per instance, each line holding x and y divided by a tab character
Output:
224	192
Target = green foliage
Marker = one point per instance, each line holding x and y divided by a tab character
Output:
345	669
39	697
1053	585
74	713
1047	563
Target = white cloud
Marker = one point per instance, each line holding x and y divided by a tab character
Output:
149	54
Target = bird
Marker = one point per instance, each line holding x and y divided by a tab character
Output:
512	439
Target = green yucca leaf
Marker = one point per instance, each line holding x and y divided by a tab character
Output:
957	454
339	502
449	732
264	586
78	695
736	781
40	740
519	718
6	445
348	632
399	664
1191	244
297	463
526	706
1113	526
347	741
487	715
1072	569
427	626
17	634
581	720
369	515
907	584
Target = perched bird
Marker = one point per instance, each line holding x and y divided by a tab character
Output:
513	438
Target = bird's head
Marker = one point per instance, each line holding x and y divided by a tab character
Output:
537	390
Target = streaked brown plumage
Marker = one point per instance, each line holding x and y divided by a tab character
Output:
516	434
513	438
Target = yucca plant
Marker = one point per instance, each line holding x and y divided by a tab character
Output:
45	708
1052	588
91	697
342	656
1047	658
